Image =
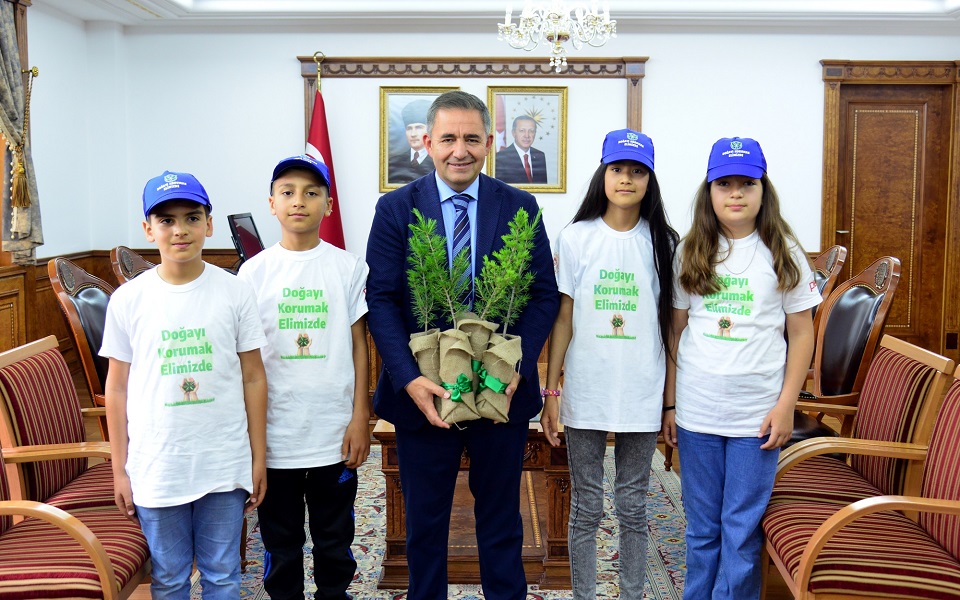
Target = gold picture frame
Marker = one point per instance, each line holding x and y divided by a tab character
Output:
530	137
400	108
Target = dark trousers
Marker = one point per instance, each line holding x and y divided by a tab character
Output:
328	494
429	465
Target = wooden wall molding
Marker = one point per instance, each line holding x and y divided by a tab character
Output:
631	69
900	72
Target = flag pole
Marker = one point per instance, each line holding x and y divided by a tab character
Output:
318	146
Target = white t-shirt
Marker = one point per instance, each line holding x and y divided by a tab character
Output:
186	417
308	301
614	367
732	355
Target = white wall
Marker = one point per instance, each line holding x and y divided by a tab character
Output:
226	105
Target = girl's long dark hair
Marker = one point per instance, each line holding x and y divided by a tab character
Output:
664	238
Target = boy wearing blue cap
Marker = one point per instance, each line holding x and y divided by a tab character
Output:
313	305
186	398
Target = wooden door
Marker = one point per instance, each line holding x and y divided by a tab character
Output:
892	189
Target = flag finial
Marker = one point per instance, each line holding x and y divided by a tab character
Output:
318	58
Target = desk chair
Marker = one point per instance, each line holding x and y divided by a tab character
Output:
852	321
83	301
826	272
127	264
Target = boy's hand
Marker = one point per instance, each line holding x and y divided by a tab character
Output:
356	443
550	420
259	486
123	496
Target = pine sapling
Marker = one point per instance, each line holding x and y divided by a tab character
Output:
427	250
503	288
433	286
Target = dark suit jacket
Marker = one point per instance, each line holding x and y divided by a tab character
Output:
509	166
388	297
401	171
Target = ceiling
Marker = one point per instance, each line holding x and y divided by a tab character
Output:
915	16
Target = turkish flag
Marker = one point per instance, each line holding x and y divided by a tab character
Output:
318	146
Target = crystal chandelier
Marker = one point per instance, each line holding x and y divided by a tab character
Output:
557	23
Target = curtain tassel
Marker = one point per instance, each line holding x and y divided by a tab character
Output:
21	193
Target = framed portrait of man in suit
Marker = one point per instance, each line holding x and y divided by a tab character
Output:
403	123
530	137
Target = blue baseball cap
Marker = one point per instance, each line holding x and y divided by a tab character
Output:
302	161
736	156
626	144
173	186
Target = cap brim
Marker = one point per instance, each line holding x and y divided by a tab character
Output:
736	169
177	195
634	156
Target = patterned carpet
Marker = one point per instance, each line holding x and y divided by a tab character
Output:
665	563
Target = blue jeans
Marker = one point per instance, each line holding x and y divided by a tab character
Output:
726	485
633	454
208	528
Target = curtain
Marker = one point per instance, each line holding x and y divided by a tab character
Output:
22	232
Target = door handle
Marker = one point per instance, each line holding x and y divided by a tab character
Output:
843	231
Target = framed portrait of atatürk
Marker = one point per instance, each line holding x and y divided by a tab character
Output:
403	124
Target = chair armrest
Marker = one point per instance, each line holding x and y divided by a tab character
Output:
801	451
832	402
99	399
861	508
72	527
820	407
25	454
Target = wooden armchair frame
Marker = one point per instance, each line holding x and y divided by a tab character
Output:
879	279
127	264
911	505
13	457
69	283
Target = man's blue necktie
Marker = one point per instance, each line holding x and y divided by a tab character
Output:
461	240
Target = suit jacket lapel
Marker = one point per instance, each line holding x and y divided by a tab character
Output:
426	199
489	205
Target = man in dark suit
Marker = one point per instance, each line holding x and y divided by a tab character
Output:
415	162
520	162
429	450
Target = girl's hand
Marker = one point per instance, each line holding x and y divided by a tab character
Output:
779	423
123	497
669	428
550	420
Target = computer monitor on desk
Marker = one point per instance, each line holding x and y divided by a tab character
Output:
246	238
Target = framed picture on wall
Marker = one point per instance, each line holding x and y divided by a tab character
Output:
403	123
530	137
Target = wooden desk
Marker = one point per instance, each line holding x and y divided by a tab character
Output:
545	502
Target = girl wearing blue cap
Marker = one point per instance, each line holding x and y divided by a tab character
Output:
615	272
742	279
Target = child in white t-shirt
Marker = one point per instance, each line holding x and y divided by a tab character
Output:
742	278
312	304
186	398
615	273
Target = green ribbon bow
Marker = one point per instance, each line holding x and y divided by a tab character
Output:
462	386
486	380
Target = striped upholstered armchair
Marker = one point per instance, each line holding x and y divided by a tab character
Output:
76	542
833	527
